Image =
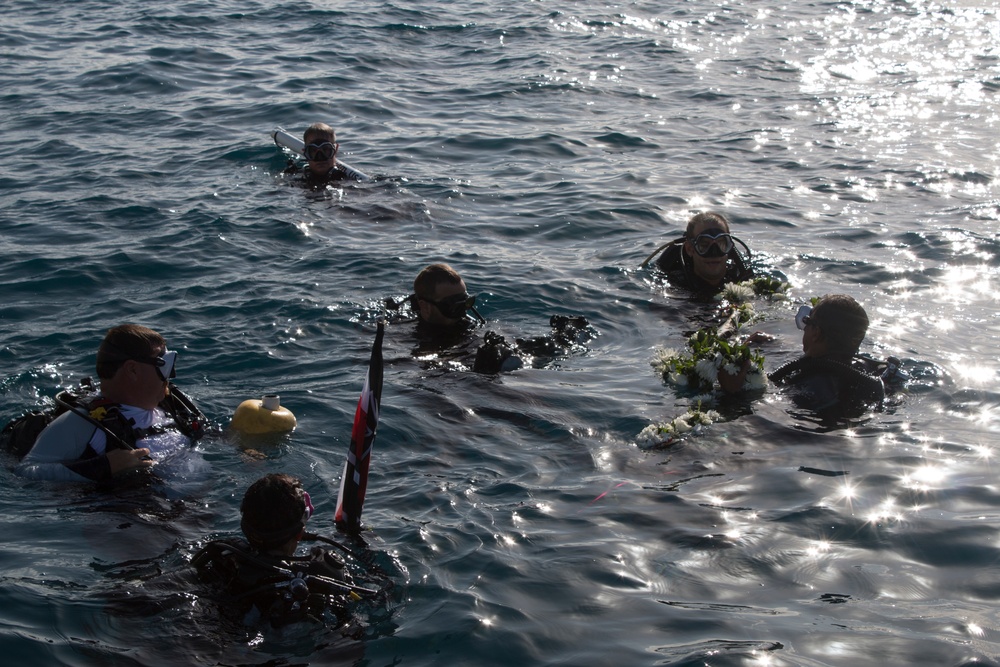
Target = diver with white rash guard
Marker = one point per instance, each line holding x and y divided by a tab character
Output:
137	418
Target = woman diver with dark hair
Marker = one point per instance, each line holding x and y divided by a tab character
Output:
707	257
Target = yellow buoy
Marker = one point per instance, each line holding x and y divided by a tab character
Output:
262	416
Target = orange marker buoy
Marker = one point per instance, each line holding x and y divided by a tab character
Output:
263	416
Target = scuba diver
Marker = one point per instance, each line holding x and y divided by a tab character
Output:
261	578
829	378
444	311
707	257
443	305
136	419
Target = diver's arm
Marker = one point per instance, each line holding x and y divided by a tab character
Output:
57	453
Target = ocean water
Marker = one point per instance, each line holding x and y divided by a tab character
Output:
544	149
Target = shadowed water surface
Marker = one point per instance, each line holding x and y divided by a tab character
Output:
543	149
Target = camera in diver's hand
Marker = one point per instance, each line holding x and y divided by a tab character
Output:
496	355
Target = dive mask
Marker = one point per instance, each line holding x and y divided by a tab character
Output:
164	364
803	317
454	307
713	243
308	512
321	152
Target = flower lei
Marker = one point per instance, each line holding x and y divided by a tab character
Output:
709	351
692	421
763	286
707	354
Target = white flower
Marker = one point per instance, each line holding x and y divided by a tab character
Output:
707	370
731	369
667	354
692	421
738	292
678	379
755	380
700	418
702	399
703	418
655	434
649	435
664	360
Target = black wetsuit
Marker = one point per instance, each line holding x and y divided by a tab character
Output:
438	339
261	587
679	269
830	384
335	174
309	179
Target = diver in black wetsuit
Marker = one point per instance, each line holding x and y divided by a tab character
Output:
321	151
262	579
707	257
828	378
442	304
445	312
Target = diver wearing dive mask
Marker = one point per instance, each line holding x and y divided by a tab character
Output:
707	257
441	298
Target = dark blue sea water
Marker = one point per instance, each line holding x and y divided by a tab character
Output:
544	149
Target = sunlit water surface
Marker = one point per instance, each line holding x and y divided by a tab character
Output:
543	149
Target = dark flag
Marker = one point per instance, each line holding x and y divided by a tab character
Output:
355	480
